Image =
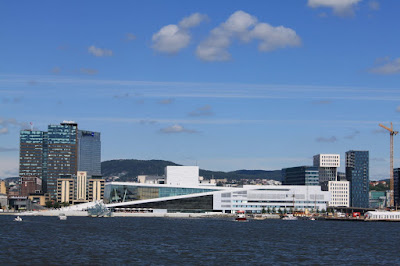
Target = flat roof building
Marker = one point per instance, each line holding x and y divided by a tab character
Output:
301	175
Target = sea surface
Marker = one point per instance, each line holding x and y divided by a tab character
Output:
205	241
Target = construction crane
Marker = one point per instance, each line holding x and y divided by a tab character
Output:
392	133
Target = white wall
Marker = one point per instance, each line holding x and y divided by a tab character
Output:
182	175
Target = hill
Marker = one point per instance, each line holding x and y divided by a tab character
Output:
129	169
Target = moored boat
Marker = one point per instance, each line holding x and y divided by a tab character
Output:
240	216
62	217
17	219
289	217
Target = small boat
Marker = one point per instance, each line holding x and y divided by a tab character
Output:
289	217
240	216
312	219
17	219
62	216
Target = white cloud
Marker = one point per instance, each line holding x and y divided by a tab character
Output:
130	37
374	5
328	140
205	110
89	71
172	38
99	52
387	67
192	20
3	130
176	129
244	27
340	7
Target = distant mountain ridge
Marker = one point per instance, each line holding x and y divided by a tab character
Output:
129	169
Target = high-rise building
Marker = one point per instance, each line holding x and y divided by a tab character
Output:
396	179
33	154
357	172
62	158
327	165
61	151
301	175
89	152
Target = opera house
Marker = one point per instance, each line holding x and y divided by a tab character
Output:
181	191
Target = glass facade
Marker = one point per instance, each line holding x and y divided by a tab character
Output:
124	193
357	172
302	175
396	179
89	152
33	153
62	158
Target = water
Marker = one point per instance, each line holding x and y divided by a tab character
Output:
167	241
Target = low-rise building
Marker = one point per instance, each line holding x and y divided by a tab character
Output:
252	199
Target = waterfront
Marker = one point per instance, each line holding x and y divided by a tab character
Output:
161	241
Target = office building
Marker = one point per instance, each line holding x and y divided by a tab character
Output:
327	165
30	185
62	158
301	175
62	150
66	189
357	173
33	155
396	192
95	188
89	152
340	193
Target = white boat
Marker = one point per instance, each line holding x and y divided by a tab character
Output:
17	219
240	216
289	217
62	217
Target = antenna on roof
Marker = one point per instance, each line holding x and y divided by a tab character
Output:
31	125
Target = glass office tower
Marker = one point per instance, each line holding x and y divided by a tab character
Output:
61	151
357	172
33	154
62	158
89	152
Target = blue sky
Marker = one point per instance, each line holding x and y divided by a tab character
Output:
226	85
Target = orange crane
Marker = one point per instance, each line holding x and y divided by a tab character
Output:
392	133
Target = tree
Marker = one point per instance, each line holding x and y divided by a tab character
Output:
64	204
280	211
274	210
49	204
285	210
269	210
56	205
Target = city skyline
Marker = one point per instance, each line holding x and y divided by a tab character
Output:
226	86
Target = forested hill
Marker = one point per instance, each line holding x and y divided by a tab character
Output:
128	170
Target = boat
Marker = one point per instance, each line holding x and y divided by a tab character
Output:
312	219
289	217
240	216
62	217
17	219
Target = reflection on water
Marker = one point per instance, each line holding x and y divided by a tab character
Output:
47	240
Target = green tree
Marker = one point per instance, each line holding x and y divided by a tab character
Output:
56	205
64	204
285	210
280	211
49	204
263	210
269	210
273	210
